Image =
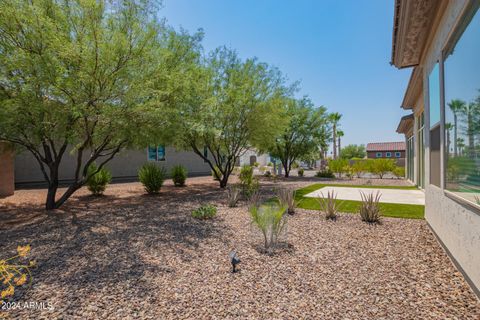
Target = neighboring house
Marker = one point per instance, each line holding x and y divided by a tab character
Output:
388	150
124	166
251	156
441	41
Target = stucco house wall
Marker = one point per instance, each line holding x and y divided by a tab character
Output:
6	170
124	166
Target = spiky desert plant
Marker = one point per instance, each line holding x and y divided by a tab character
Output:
233	195
152	177
370	207
329	205
98	179
271	220
205	212
477	200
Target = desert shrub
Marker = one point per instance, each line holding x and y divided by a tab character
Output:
267	173
271	220
97	183
295	165
359	167
329	205
381	167
205	212
256	164
179	175
301	172
233	195
338	166
262	169
286	198
248	182
152	177
349	173
218	175
14	272
370	207
270	164
399	172
326	173
477	200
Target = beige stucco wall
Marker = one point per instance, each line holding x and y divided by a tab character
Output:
124	166
457	226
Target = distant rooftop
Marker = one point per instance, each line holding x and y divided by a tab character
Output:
386	146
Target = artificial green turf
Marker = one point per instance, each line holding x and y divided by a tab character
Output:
394	210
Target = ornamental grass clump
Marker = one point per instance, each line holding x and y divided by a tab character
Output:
301	172
205	212
152	177
233	195
248	182
286	198
370	207
329	205
179	175
15	272
98	179
271	220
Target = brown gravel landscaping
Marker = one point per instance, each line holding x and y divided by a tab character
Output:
130	256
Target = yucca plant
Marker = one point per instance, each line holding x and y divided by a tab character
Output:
233	195
477	200
370	207
286	197
329	205
271	220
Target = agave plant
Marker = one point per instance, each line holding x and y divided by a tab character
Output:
233	195
370	208
329	205
286	197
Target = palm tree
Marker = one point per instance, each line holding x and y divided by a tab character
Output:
448	127
340	134
335	119
456	106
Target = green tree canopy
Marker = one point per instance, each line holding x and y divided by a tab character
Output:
307	132
75	78
353	151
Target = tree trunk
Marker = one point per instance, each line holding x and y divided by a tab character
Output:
71	190
334	141
339	146
51	194
286	168
455	148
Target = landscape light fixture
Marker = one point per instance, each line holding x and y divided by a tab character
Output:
234	260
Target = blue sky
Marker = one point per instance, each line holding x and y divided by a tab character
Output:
339	50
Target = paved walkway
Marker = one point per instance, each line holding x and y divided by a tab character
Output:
387	195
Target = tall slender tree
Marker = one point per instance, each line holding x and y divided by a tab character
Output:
456	106
335	119
340	134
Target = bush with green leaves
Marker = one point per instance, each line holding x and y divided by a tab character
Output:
205	212
179	175
248	182
301	172
152	177
256	164
349	173
286	198
98	179
338	166
399	172
360	167
268	174
370	210
326	173
271	220
329	205
477	200
233	195
381	167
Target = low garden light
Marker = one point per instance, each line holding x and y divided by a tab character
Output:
234	260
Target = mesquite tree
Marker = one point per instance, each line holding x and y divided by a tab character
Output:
73	79
232	106
308	131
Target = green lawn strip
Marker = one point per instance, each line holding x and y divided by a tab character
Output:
394	210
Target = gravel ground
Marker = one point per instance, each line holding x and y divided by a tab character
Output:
131	256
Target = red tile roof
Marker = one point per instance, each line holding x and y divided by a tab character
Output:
386	146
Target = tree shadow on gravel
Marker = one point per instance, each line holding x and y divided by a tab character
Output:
97	242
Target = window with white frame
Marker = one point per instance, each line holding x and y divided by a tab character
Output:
379	155
388	155
156	153
398	154
462	110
